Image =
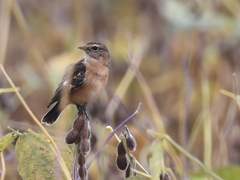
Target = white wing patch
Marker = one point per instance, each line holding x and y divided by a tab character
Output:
64	83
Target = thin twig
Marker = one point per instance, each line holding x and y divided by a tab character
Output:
111	129
7	90
230	94
141	173
55	148
3	172
17	132
112	133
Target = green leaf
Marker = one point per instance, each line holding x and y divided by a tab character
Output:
36	159
228	173
7	139
156	159
138	178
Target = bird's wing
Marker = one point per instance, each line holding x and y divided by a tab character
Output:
73	79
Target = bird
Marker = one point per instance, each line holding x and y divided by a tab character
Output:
82	83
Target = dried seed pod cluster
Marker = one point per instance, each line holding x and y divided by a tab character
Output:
125	161
84	148
80	134
85	138
77	127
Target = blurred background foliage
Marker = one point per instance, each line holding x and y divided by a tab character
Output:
173	56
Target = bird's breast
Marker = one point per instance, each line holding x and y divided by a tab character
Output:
95	81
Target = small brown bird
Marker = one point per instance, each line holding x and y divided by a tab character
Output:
82	83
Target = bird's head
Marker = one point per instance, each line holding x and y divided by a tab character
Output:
96	51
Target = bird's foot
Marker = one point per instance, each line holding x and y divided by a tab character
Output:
82	109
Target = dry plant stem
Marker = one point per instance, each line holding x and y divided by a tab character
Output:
55	148
187	94
183	151
235	84
3	172
207	127
126	81
33	48
17	132
5	17
232	6
156	116
8	90
149	98
185	112
112	133
229	94
197	127
111	129
141	173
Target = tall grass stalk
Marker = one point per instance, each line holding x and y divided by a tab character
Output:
207	127
55	148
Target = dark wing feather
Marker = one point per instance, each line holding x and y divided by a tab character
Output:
77	81
74	76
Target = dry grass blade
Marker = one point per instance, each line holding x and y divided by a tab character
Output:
3	172
55	148
235	84
232	5
5	15
38	56
187	154
196	129
124	84
154	112
207	127
121	90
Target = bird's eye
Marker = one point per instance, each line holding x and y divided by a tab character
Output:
95	48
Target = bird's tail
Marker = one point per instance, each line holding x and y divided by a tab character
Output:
52	115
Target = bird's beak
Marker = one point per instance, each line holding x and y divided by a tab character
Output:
82	47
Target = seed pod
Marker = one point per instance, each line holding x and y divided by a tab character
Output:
134	167
72	135
78	123
164	176
122	160
131	143
81	159
78	141
85	138
128	171
83	173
